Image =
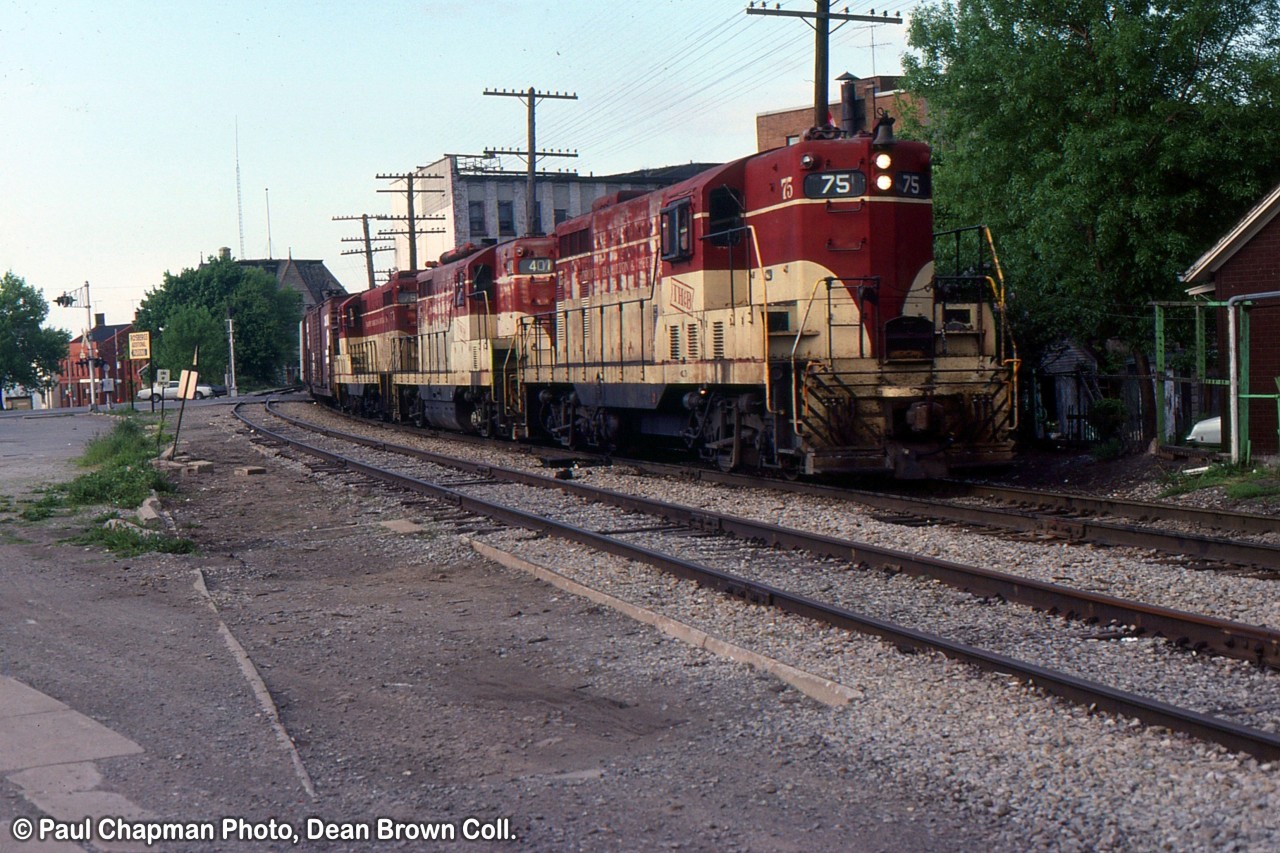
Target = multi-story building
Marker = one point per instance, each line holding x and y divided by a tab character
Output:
311	279
459	200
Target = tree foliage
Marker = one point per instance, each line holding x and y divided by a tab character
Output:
1107	144
29	352
192	308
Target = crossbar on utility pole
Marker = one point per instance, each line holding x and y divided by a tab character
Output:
369	248
409	178
531	154
820	19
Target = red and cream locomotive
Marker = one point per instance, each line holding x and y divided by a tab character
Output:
780	312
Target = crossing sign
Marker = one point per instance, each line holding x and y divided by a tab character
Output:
139	345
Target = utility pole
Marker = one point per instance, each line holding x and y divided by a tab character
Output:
231	345
369	248
66	300
531	154
822	16
412	219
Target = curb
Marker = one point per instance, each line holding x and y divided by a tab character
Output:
822	689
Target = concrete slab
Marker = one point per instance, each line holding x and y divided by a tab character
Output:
67	792
57	737
250	471
402	525
17	699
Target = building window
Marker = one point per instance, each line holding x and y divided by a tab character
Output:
475	210
793	139
537	218
506	219
561	214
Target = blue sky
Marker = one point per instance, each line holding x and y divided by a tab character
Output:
118	119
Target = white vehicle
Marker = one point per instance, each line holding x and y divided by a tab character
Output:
1208	431
169	391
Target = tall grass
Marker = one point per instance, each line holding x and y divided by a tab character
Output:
122	475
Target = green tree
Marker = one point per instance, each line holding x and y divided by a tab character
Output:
193	307
29	353
188	327
1107	144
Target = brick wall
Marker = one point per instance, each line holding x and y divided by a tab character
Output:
1256	269
773	128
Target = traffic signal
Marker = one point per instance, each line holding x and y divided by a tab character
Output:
66	300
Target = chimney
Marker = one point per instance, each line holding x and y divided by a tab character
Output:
99	320
224	254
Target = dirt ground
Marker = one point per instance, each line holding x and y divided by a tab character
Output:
418	683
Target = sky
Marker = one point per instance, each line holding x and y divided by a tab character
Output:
137	137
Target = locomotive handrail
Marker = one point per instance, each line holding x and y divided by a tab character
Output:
795	403
764	323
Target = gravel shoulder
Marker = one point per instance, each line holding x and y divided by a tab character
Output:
420	682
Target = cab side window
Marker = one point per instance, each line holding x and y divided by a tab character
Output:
677	231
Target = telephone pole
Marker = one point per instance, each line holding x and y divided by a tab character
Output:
412	218
822	16
369	248
531	97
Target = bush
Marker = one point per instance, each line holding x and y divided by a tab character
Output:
1107	417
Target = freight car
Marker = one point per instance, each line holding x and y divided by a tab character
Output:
780	312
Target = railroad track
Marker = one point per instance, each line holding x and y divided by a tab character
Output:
1043	513
1065	516
453	478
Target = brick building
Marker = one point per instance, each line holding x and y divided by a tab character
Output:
1247	261
874	94
99	368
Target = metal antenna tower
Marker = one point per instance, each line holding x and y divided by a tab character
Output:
239	197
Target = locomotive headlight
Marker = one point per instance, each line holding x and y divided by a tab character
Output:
883	160
884	182
808	161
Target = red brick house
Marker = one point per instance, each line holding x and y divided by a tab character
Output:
102	363
1247	261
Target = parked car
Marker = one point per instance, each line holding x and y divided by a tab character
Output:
1208	431
170	391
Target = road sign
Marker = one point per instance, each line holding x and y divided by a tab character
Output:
162	376
187	384
140	345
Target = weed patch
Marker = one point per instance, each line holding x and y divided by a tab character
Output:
127	541
122	475
1238	482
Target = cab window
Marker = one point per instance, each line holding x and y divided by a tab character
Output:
677	231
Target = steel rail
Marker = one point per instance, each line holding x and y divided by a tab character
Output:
1263	745
1213	548
1252	643
1240	522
